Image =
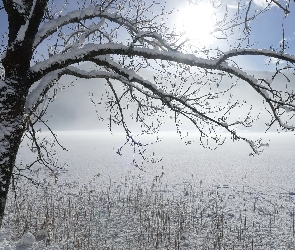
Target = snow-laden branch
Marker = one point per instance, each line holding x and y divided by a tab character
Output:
76	16
128	76
36	96
23	29
19	6
258	52
86	33
90	51
253	82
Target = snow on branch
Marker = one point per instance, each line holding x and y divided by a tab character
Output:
86	33
90	51
259	52
36	96
76	16
23	29
174	103
19	5
125	76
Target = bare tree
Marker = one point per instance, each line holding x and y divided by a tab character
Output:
124	38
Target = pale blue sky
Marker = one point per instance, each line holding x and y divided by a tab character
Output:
266	30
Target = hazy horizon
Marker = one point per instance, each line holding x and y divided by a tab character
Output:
76	107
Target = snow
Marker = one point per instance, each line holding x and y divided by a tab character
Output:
224	124
2	84
8	88
50	27
22	32
227	185
19	5
264	52
26	241
35	94
81	40
287	109
290	127
117	48
91	73
264	92
23	29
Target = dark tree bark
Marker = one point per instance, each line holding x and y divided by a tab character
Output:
11	133
14	89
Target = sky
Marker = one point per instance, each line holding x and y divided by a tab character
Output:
266	31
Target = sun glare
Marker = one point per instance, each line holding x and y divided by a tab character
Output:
196	22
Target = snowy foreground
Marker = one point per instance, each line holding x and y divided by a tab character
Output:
134	214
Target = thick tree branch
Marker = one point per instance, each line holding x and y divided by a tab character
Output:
51	26
257	52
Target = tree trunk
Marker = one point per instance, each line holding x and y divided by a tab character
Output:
14	89
11	131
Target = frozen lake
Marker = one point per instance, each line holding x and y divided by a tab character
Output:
92	153
248	201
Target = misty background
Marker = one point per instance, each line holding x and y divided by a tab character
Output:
79	104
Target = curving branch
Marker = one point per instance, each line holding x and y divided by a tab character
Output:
174	103
285	9
77	16
257	52
94	52
90	51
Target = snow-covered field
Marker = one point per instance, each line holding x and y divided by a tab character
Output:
192	199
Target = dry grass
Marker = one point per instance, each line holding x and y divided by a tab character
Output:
132	215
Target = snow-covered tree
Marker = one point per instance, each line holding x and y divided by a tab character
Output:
47	39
